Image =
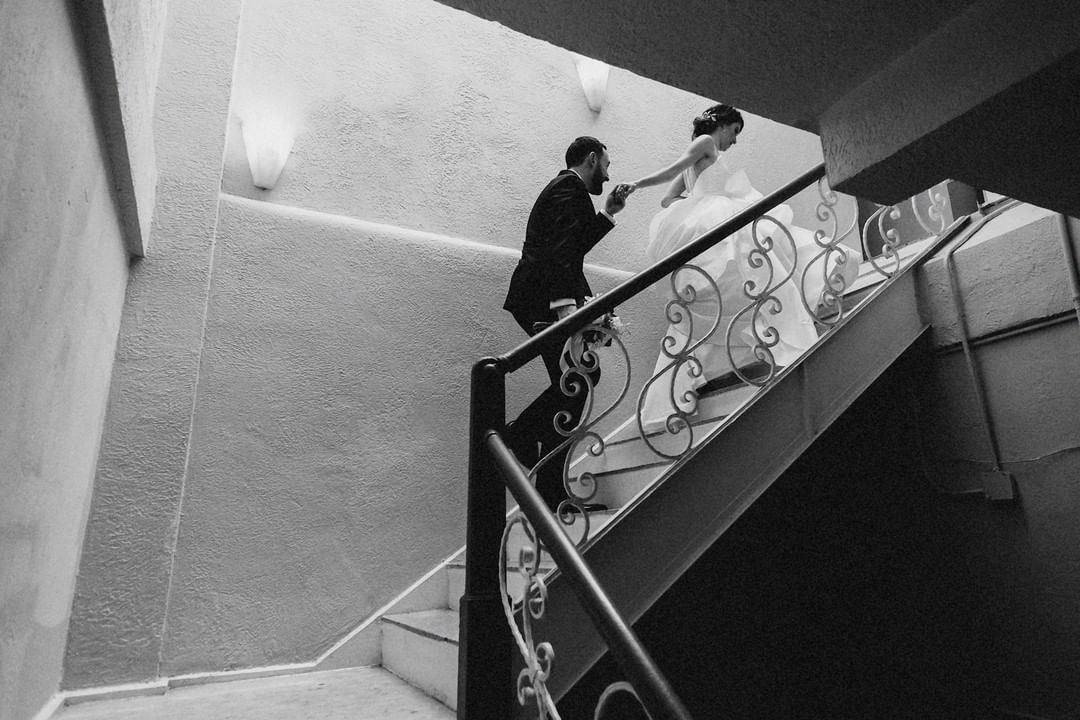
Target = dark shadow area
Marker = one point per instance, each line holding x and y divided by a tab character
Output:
852	589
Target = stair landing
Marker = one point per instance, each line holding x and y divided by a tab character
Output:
351	694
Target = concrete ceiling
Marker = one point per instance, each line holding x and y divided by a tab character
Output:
788	61
903	93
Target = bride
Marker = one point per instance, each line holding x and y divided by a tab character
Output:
712	322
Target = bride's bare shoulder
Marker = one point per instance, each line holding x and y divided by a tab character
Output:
702	145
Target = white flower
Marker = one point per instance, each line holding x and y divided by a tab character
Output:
615	324
609	321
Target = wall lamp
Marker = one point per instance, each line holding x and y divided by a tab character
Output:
268	142
594	76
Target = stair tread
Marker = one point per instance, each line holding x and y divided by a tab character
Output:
439	624
626	450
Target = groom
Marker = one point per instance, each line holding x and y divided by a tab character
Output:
548	284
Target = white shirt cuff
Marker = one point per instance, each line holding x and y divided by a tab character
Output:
561	302
608	215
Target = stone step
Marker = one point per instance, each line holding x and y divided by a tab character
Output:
515	582
625	449
421	648
618	488
712	405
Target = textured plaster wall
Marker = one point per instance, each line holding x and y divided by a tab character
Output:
259	495
903	94
1013	275
137	34
62	275
1034	401
122	41
787	61
119	610
415	114
328	462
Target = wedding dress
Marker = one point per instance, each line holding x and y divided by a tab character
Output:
784	328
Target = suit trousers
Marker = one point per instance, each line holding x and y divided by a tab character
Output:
533	434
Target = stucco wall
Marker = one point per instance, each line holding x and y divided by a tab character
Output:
415	114
1012	276
137	34
323	418
328	462
119	609
62	275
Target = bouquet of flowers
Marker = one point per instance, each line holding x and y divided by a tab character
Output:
611	322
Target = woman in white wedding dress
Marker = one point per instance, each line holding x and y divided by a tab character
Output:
701	195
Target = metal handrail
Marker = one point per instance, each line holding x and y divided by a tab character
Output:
1072	269
607	302
978	384
652	688
491	465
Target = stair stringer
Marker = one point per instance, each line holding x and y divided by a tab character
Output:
666	528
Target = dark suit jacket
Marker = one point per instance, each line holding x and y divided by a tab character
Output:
563	226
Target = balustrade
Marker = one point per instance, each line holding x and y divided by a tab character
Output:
792	282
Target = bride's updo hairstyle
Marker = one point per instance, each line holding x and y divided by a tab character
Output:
716	116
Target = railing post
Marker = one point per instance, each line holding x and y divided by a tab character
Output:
486	687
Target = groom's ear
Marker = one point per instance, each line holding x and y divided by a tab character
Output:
591	160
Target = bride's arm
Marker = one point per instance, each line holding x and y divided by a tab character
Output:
699	148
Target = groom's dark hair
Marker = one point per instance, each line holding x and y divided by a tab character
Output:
580	149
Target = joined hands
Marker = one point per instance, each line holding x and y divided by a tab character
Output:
616	201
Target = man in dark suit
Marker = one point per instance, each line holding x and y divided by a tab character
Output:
547	285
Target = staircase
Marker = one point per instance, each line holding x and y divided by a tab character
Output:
666	525
687	511
744	438
421	646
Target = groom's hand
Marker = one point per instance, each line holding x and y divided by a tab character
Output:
616	201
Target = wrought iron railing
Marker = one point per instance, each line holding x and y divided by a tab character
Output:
806	278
